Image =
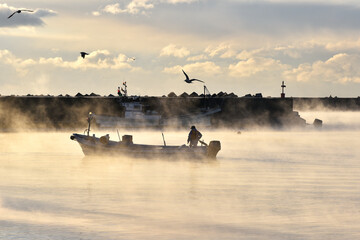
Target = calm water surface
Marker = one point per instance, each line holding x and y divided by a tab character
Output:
264	185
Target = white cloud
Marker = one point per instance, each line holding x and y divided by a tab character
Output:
139	6
246	54
224	50
100	59
121	62
96	13
20	65
113	8
197	57
341	68
288	50
134	7
253	66
342	45
173	50
337	2
178	1
23	18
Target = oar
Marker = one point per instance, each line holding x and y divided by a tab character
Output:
203	143
163	139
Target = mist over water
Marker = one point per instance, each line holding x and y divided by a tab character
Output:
298	184
334	120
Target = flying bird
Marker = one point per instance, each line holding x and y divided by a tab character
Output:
83	54
19	11
188	80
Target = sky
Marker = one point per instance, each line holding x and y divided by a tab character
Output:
239	46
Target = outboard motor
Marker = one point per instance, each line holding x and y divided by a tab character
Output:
213	148
127	139
318	123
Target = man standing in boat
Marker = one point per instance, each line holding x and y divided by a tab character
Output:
194	137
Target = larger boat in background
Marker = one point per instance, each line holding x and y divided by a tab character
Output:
136	116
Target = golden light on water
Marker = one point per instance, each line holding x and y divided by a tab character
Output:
263	185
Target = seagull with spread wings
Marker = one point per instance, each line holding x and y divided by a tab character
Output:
83	54
188	80
19	11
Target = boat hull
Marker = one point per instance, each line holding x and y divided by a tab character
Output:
100	146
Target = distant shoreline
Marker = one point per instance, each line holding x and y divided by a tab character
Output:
60	112
299	103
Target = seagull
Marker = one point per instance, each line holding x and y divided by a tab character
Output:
190	80
19	11
83	54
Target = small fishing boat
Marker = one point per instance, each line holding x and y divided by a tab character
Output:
92	145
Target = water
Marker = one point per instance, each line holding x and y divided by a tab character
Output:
300	184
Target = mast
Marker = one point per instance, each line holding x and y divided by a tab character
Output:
283	86
205	90
90	117
125	89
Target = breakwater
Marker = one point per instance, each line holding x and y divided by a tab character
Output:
49	112
327	103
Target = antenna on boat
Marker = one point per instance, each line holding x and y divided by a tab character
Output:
163	139
90	117
118	134
206	90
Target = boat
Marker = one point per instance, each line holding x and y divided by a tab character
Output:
136	115
92	145
201	118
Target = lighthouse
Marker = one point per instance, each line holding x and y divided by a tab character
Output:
283	86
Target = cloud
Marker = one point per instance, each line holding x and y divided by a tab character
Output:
96	13
253	66
342	68
134	7
139	6
287	50
223	50
24	18
197	57
173	50
20	65
208	68
335	2
178	1
100	59
342	45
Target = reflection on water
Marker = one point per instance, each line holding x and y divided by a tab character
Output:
264	185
